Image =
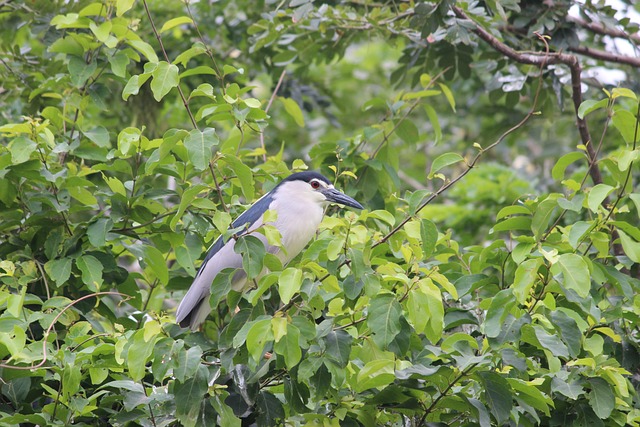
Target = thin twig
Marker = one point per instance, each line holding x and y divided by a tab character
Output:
48	330
166	57
445	186
218	189
266	110
599	28
544	60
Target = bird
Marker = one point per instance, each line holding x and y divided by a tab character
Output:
299	201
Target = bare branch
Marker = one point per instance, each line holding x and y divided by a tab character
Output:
606	56
266	110
543	60
599	28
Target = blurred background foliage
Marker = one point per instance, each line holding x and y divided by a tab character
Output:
527	255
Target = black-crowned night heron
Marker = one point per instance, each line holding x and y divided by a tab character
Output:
299	201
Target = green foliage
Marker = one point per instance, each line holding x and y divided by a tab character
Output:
491	279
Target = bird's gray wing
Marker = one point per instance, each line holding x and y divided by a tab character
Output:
194	307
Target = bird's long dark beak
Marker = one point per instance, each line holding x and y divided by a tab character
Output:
334	196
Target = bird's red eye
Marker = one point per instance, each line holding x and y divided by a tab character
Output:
315	184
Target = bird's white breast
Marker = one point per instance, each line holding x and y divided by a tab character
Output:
298	218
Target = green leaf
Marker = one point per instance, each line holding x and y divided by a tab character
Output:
199	145
623	92
14	341
597	196
187	198
513	210
165	78
294	110
21	149
542	216
59	270
289	347
417	301
563	162
97	232
289	283
500	306
119	63
571	390
226	414
384	319
449	95
531	395
338	347
550	342
138	353
253	251
435	123
408	131
184	57
99	135
91	270
82	195
513	224
375	374
156	264
575	273
187	363
429	237
601	398
569	331
252	103
626	159
591	105
243	174
525	277
259	334
171	23
134	84
80	71
123	6
444	160
625	122
630	246
145	49
189	396
498	395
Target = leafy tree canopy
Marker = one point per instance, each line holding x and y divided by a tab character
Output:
491	279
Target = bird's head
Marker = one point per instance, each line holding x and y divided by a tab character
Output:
313	187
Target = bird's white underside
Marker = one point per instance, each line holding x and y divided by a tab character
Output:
297	220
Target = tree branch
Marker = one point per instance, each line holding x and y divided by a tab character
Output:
544	60
606	56
599	28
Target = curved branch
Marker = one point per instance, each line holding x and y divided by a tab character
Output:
53	322
543	60
606	56
599	28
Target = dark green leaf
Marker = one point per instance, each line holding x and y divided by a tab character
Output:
189	396
165	78
253	251
338	347
199	146
498	394
91	270
59	270
601	398
384	319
